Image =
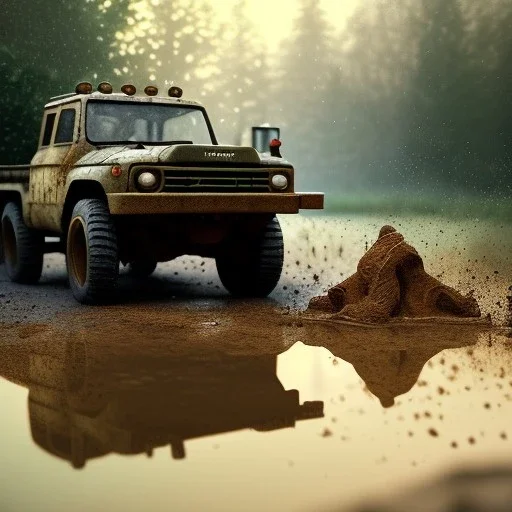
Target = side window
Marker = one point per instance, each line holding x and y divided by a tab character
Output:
47	135
66	126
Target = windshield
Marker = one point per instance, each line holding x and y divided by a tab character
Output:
149	123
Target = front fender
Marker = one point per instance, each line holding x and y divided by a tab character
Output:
87	182
101	174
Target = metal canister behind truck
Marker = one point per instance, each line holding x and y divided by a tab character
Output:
141	179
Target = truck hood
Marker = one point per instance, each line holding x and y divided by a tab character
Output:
175	154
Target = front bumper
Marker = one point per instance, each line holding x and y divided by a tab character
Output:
161	203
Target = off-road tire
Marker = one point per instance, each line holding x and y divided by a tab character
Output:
92	253
250	266
22	247
141	268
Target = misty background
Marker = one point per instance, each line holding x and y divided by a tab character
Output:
407	107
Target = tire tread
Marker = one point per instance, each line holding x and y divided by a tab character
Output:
103	264
29	247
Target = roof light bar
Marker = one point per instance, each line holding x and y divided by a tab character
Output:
129	89
175	92
151	90
105	88
83	88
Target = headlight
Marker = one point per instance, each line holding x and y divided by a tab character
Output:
148	180
279	181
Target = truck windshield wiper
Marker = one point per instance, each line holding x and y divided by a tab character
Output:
169	142
159	143
143	143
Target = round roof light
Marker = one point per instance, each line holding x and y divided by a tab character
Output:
83	88
105	88
175	92
151	90
129	89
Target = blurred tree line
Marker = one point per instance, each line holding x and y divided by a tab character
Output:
46	48
414	95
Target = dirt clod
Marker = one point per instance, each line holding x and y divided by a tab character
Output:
326	432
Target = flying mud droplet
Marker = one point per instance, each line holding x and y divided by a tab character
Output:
326	432
433	432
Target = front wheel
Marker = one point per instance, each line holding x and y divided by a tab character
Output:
251	265
22	247
92	253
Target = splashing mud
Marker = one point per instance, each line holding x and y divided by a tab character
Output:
391	282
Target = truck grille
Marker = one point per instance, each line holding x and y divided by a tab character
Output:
216	180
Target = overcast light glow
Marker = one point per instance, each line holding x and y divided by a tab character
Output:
274	19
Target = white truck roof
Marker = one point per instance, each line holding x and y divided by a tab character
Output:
68	98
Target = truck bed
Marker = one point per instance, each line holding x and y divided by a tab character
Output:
14	173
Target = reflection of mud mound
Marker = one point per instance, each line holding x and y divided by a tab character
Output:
391	282
389	358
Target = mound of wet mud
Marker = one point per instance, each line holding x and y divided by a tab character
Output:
391	284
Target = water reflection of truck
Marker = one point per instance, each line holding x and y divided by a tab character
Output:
88	402
142	179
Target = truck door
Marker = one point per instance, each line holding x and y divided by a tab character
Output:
48	174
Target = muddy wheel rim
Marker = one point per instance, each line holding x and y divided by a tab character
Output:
9	241
77	250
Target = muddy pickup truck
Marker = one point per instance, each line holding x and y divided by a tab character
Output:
141	179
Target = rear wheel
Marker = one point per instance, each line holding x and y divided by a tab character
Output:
251	265
92	253
22	247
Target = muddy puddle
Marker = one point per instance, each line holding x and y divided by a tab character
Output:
228	405
185	399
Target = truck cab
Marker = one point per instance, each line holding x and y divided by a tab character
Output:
150	168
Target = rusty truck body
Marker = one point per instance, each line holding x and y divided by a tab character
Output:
141	179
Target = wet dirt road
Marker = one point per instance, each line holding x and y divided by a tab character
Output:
182	398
